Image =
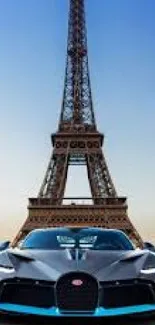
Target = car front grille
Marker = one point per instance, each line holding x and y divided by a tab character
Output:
77	291
126	294
28	293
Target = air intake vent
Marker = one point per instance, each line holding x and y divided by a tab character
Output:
28	294
127	294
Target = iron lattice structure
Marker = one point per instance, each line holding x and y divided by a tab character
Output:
77	106
77	141
77	120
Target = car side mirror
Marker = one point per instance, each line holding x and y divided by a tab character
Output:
4	245
19	245
149	246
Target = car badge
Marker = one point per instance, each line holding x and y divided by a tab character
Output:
77	282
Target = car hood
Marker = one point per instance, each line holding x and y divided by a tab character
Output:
49	265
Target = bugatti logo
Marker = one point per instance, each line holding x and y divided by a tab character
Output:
77	282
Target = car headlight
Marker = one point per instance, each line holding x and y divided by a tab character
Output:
6	269
148	271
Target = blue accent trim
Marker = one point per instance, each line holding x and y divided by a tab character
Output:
54	312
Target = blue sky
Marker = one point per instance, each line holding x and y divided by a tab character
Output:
121	39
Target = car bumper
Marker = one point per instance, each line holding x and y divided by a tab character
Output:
54	312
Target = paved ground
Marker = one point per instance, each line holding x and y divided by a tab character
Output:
30	321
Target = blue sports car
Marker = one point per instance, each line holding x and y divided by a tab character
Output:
77	272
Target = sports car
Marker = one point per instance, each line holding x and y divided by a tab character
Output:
77	272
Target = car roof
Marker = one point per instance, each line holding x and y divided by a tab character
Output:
78	229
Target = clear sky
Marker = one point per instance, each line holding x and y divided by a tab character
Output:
121	39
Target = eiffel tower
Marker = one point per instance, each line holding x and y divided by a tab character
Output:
78	142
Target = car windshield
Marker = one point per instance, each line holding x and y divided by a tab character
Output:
74	238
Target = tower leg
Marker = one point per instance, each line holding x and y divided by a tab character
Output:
55	179
99	177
